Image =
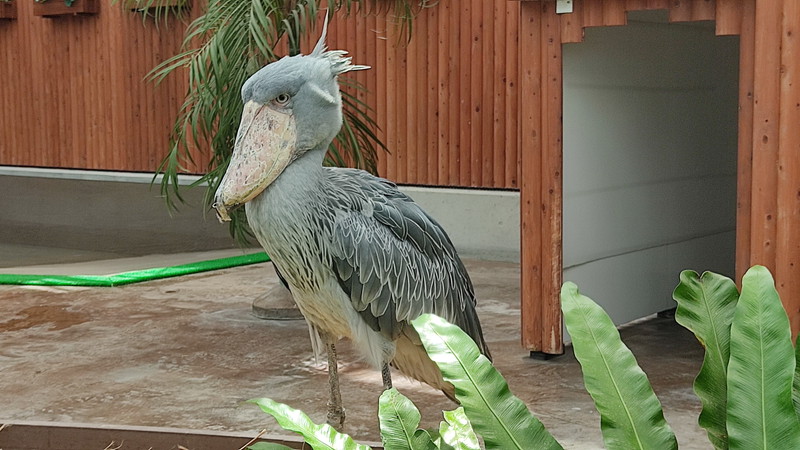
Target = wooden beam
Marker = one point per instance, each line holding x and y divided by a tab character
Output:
552	181
530	147
445	81
541	180
728	19
766	99
572	24
593	13
512	118
787	264
745	143
614	13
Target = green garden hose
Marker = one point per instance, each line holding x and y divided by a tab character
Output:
135	276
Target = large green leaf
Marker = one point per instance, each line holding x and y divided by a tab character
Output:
399	419
456	431
317	436
796	381
267	446
761	369
705	307
630	413
501	418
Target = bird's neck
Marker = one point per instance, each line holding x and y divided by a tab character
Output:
298	183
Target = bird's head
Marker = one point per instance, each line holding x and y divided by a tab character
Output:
291	106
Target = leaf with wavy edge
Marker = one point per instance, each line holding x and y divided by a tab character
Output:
630	413
761	369
501	418
705	307
317	436
399	419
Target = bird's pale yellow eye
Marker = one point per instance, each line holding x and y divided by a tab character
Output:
282	99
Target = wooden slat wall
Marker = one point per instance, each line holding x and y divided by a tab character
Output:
592	13
768	218
72	94
446	103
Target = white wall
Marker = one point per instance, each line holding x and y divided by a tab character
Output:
650	113
482	223
119	213
106	212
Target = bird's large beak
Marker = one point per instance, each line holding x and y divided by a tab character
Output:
263	148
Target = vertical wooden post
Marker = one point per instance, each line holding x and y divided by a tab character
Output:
744	179
552	180
768	217
766	98
541	179
530	148
787	264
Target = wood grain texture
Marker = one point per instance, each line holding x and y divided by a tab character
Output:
8	10
572	25
552	182
787	264
440	101
443	104
531	148
744	162
728	20
75	86
766	121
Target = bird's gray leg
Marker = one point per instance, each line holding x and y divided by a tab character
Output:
335	409
387	377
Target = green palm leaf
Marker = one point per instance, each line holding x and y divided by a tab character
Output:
501	418
705	307
631	415
230	41
317	436
761	369
399	419
456	431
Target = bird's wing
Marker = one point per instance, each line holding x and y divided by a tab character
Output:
393	260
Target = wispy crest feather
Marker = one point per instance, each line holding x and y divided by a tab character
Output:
339	62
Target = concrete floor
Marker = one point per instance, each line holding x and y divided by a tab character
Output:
187	352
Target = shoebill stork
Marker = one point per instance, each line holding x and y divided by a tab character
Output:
360	257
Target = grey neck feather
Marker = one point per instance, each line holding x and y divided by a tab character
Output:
285	218
299	185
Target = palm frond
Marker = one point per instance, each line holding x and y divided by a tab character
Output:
160	11
229	42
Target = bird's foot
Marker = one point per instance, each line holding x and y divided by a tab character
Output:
335	416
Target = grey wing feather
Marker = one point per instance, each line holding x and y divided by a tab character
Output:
393	260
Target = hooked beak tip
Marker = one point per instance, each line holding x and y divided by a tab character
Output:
222	212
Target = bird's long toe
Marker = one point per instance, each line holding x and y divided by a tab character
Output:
336	416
